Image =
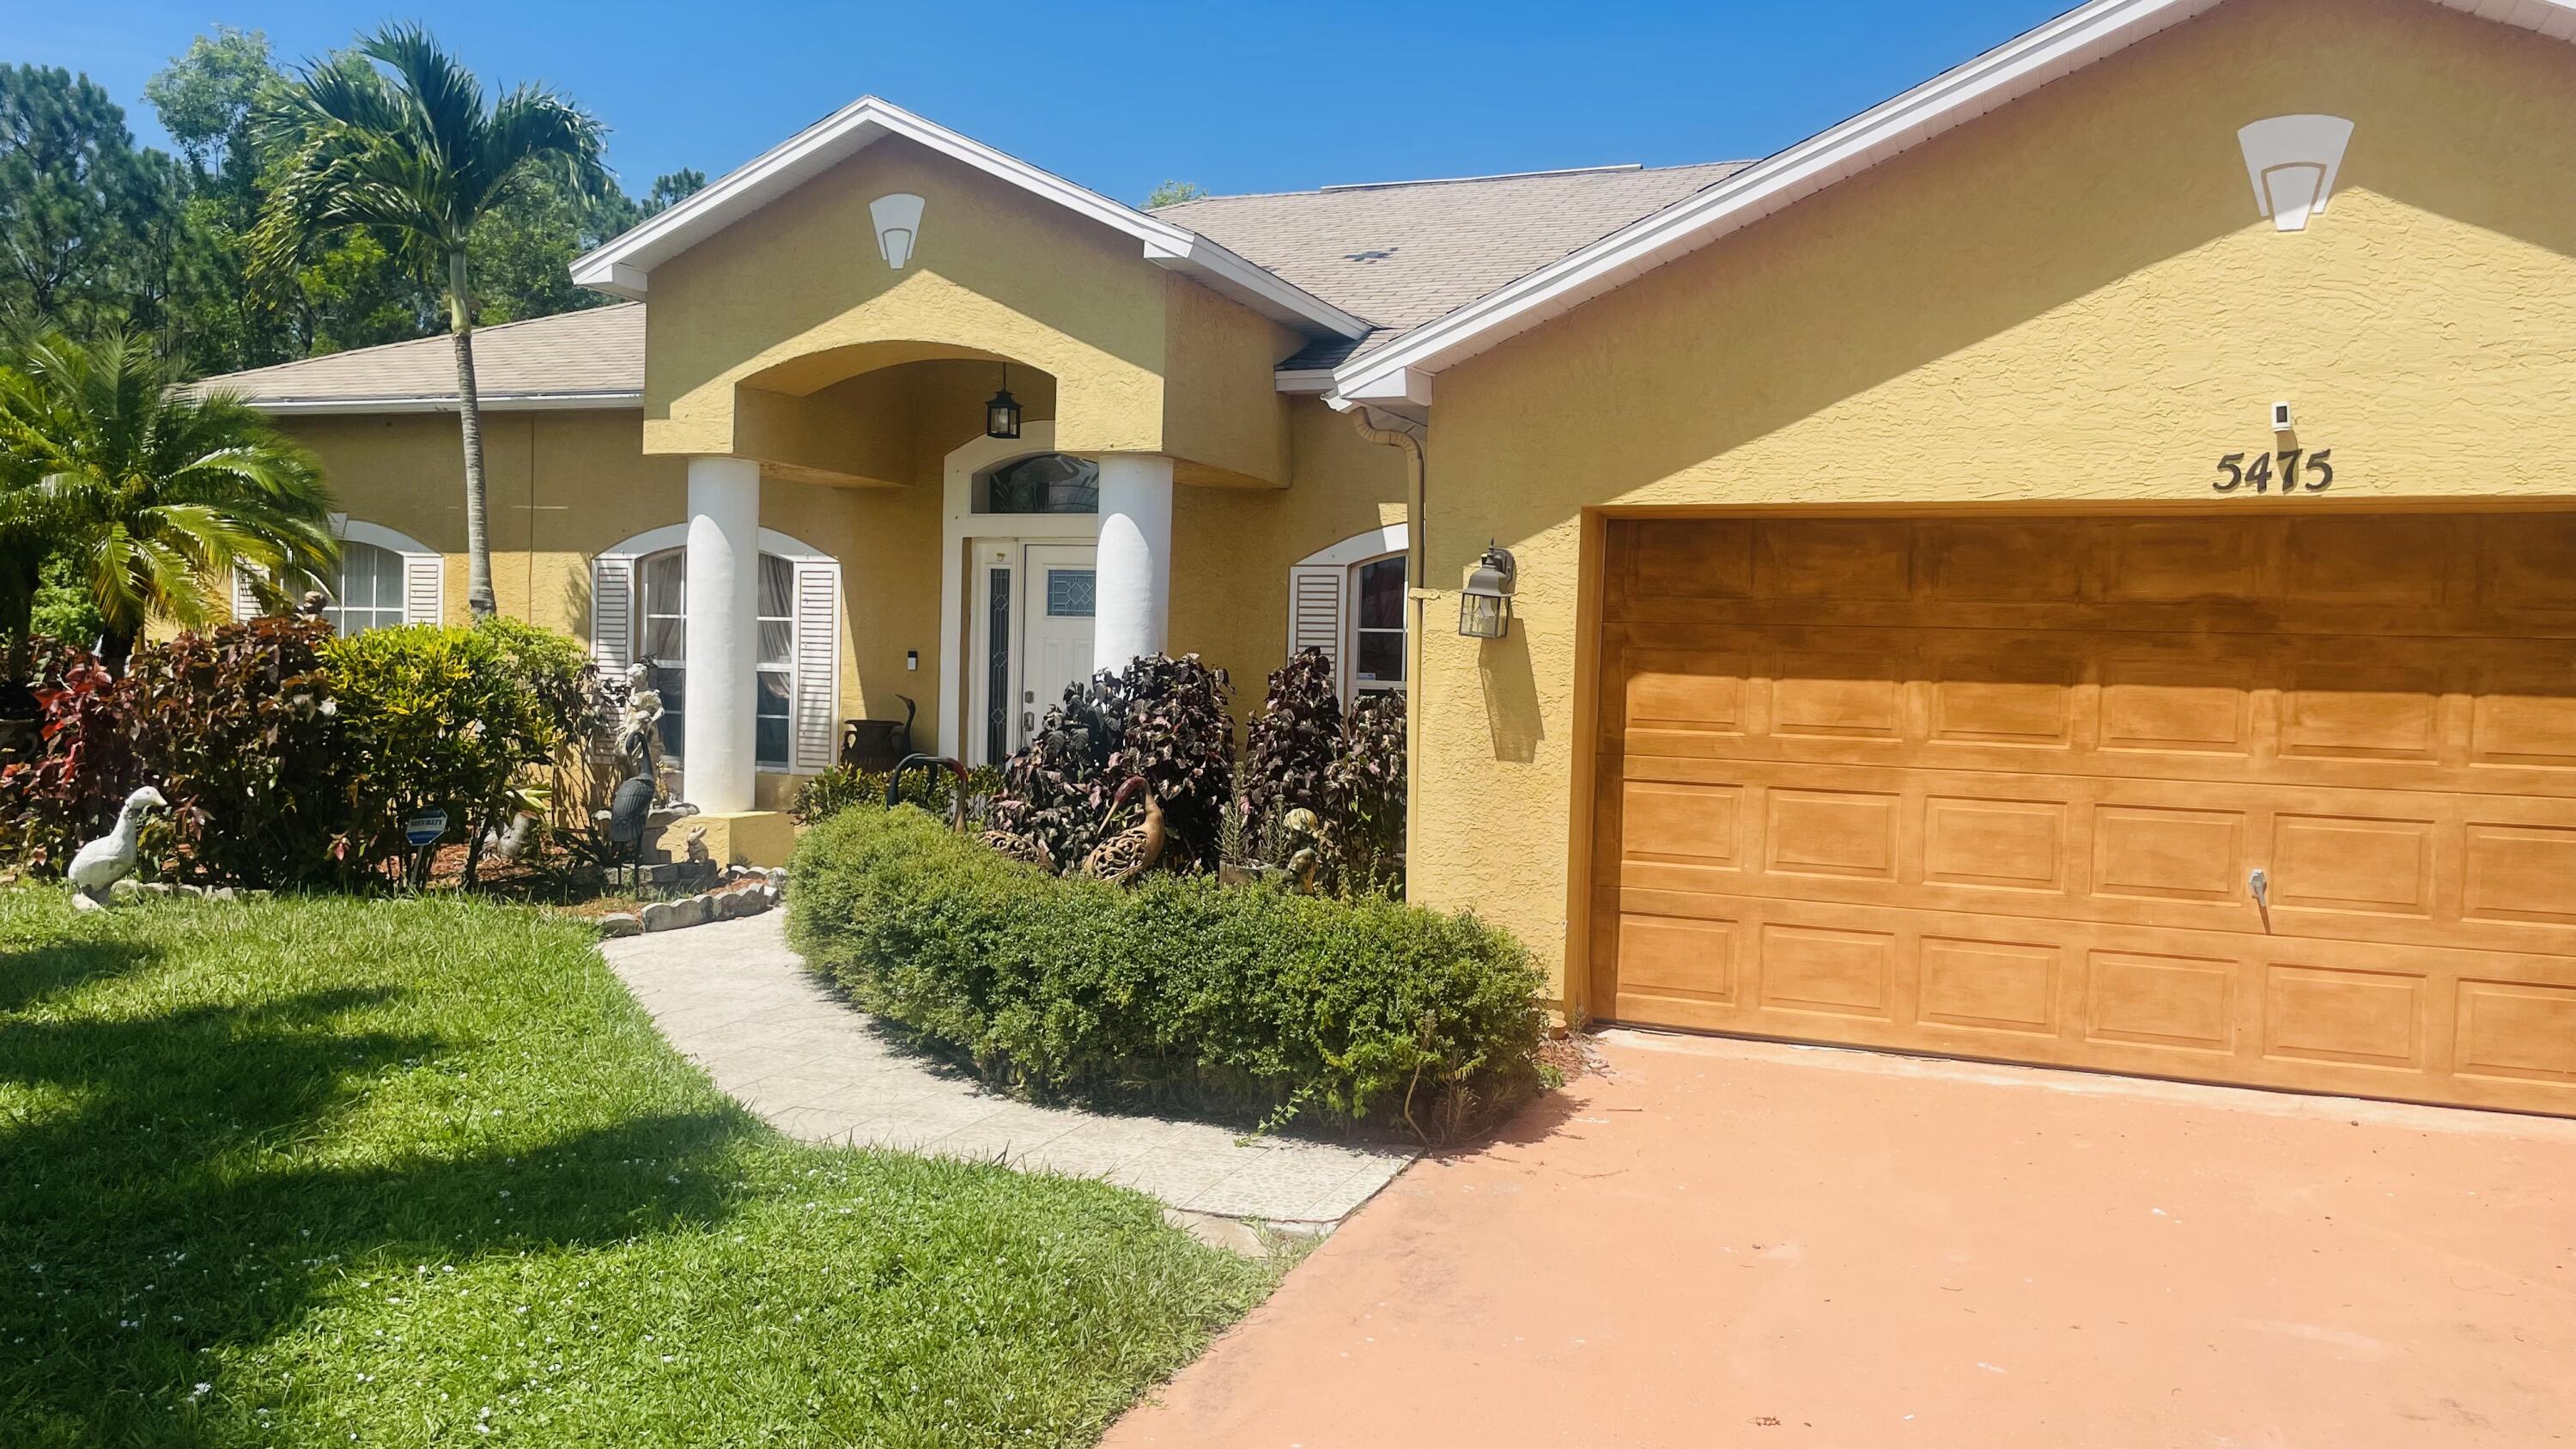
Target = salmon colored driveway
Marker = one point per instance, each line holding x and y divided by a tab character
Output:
1736	1244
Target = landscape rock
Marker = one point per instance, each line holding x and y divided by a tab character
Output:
660	916
621	923
125	890
223	893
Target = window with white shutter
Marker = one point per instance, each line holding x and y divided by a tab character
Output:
1347	600
639	610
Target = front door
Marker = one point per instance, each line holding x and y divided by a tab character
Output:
1032	638
1055	628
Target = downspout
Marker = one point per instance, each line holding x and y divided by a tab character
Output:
1416	526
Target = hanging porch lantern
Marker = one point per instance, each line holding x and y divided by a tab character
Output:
1002	414
1484	605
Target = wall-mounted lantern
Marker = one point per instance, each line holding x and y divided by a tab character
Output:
1484	606
1002	414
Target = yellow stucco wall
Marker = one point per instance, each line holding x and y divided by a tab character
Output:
795	297
1232	547
2068	302
565	486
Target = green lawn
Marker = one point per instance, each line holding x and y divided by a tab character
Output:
334	1172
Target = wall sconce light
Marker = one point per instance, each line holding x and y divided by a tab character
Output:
898	222
1002	414
1484	606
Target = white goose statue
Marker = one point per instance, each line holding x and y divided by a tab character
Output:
110	858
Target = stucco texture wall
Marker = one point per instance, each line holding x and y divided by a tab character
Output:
1232	547
2070	302
565	486
795	299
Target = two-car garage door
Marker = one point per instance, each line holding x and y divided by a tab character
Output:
2288	801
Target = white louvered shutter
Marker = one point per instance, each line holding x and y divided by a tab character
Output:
245	604
424	588
818	666
1315	613
612	613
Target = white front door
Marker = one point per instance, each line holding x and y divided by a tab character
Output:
1032	638
1055	627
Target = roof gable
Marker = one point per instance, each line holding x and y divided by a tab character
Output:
623	267
1400	372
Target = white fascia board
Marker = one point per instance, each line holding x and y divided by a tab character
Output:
1407	385
503	402
621	266
1303	380
2070	42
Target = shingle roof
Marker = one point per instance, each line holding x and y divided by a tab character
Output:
1397	254
558	359
1403	253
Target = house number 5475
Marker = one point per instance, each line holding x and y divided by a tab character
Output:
2301	471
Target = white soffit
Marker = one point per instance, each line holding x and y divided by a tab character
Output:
623	267
2062	46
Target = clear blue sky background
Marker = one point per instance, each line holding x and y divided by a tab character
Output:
1237	97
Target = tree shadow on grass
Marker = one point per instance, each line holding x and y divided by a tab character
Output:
171	1187
27	977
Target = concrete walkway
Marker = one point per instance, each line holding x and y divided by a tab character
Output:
734	998
1727	1243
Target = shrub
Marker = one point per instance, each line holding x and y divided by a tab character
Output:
1237	996
236	725
843	787
1290	745
1347	766
449	716
1162	718
80	770
1364	791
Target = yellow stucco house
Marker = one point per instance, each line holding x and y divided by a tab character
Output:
2072	565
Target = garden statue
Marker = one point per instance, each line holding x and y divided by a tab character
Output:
110	858
696	847
1301	833
1130	853
639	735
315	602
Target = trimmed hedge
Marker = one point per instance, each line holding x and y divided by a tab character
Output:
1236	996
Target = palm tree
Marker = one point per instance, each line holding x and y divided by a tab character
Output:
402	145
155	493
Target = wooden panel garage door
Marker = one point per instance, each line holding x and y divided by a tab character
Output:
1999	787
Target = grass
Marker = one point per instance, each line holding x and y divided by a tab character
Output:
312	1172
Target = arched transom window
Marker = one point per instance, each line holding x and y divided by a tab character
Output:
1044	483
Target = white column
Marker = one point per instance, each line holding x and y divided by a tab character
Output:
718	746
1133	588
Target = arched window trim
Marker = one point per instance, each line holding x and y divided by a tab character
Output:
1323	595
424	571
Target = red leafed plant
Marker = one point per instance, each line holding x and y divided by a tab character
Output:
238	726
1289	747
235	725
82	768
1162	718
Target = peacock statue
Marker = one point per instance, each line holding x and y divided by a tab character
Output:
1131	852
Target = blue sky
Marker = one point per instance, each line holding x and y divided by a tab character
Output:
1237	97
